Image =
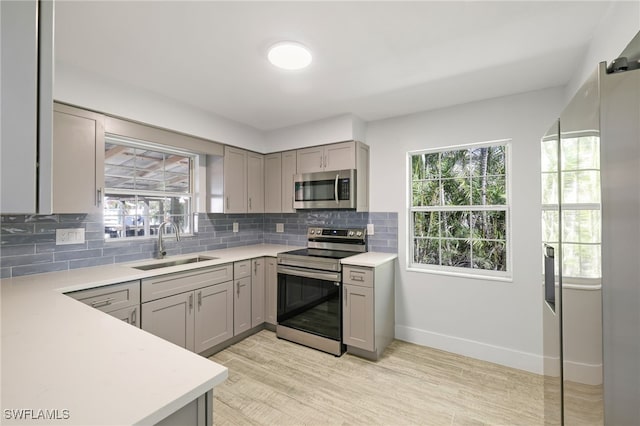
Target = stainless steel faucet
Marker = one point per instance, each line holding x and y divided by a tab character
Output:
161	251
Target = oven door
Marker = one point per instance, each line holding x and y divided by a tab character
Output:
310	307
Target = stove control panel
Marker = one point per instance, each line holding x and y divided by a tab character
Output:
333	233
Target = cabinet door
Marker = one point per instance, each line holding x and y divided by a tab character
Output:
214	315
257	291
310	160
235	180
171	318
78	160
340	156
271	291
273	183
288	171
130	315
358	317
255	183
242	305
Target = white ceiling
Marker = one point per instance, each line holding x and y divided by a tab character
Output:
371	59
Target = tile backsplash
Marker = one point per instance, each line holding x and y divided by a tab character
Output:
27	242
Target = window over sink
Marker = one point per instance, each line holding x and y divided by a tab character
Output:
146	184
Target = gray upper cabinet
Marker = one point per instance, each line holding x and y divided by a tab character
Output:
26	106
243	186
273	183
255	183
78	160
289	165
337	156
235	180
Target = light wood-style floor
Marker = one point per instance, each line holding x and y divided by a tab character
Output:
275	382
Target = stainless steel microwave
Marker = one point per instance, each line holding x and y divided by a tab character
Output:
325	190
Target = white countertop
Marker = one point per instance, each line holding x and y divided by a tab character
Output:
60	354
370	259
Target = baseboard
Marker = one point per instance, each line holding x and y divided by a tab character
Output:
580	372
471	348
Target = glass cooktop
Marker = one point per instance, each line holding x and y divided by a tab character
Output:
331	254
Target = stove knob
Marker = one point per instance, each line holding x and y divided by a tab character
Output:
351	233
313	231
359	234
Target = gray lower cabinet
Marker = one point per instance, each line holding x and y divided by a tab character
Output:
358	318
242	305
171	318
119	300
198	412
214	315
368	309
257	291
130	315
271	291
192	309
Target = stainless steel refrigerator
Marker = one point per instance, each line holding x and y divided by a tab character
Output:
591	248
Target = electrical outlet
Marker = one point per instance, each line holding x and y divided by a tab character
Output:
279	227
69	236
235	226
369	228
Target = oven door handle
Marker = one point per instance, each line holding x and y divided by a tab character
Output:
299	272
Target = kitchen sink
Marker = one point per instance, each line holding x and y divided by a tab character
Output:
174	263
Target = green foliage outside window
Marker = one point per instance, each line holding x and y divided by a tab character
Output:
459	211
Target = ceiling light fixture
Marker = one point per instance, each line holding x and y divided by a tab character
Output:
289	55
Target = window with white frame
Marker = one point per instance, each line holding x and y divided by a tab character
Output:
459	209
145	185
579	192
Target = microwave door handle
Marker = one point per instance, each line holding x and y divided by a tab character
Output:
335	189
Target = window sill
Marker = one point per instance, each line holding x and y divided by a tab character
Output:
505	278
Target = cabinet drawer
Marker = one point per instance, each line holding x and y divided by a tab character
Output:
168	285
242	269
357	276
110	298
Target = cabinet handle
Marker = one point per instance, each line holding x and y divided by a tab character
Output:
346	295
321	159
134	316
101	303
255	268
249	203
99	197
199	299
325	161
238	288
227	203
357	278
190	302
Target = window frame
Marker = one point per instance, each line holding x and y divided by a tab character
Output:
465	272
165	149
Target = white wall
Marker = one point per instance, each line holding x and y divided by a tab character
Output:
491	320
340	128
616	29
91	91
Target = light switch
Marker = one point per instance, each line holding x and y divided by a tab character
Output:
235	226
279	227
69	236
369	228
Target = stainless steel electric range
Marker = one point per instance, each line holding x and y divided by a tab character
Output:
310	288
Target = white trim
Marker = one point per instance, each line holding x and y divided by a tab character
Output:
478	274
497	354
